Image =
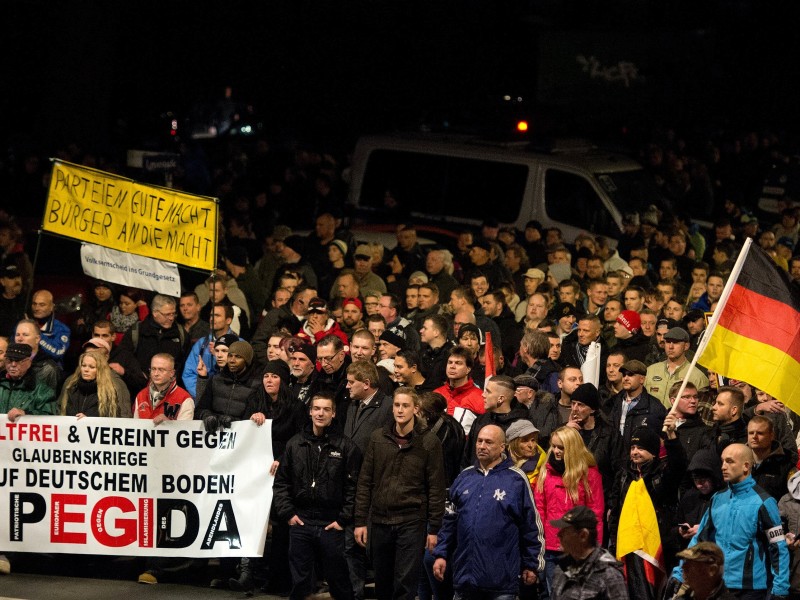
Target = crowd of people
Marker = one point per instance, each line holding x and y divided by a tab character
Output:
394	452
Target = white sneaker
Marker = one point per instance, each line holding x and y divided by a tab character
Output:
5	565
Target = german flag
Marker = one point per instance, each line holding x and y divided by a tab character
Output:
757	335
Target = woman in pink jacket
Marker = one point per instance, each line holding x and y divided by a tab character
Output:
570	478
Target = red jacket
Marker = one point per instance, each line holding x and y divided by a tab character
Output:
331	328
553	501
466	397
171	405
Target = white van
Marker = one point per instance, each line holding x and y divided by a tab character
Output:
457	182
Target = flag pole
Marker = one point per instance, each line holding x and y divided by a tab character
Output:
712	324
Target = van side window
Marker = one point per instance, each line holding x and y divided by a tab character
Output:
439	187
571	199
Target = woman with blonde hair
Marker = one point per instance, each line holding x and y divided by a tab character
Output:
94	391
523	447
570	478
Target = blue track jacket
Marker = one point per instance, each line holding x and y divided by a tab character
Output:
491	530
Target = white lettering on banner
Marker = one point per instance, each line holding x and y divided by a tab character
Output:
114	486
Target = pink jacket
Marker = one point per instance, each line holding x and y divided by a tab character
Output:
553	501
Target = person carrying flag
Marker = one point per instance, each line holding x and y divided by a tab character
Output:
643	505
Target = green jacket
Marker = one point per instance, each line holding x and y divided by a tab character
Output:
29	394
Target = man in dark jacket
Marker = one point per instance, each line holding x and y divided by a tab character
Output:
494	306
314	491
401	494
773	464
120	360
692	432
586	571
501	409
158	333
633	407
369	408
602	440
629	337
231	394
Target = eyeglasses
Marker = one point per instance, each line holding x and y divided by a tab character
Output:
362	257
170	315
328	359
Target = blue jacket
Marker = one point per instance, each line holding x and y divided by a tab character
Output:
55	339
745	523
492	515
190	368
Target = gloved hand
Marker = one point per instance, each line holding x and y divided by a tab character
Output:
211	423
224	421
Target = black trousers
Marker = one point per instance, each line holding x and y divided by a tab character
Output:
396	557
309	542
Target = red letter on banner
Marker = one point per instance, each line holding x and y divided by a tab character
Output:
59	517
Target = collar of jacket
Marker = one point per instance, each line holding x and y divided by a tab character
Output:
743	486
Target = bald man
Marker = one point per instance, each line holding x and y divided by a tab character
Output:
55	334
756	555
493	509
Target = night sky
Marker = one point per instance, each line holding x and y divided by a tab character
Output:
100	73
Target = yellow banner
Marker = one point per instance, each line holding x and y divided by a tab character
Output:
122	214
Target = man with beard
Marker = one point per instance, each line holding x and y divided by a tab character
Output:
352	316
302	371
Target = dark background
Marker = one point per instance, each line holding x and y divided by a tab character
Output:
101	73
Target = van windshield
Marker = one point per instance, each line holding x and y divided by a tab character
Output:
437	187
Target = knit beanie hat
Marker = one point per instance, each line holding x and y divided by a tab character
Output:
587	394
279	368
243	349
630	320
648	439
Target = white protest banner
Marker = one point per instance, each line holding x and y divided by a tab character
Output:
130	270
127	487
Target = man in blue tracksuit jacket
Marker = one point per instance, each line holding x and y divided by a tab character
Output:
492	515
743	520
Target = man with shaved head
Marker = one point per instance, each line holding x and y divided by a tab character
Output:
494	516
743	520
55	334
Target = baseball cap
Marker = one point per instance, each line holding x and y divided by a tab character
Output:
707	552
580	517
